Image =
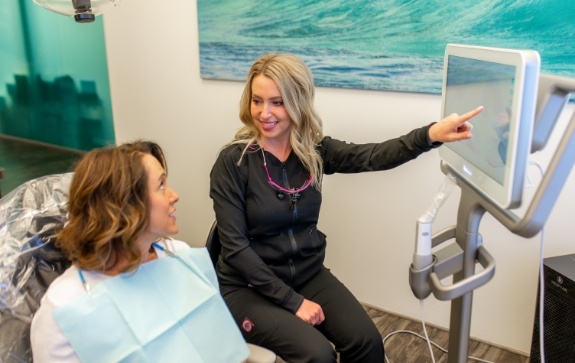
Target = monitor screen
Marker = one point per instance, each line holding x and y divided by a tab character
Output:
504	82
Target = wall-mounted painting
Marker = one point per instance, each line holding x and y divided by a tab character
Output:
391	45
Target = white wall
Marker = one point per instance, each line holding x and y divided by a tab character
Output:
157	93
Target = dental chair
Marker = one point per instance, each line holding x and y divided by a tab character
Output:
30	216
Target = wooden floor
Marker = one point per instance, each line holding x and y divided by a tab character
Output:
409	348
23	161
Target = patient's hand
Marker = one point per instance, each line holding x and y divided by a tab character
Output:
310	312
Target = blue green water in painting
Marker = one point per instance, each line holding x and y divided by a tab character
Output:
384	45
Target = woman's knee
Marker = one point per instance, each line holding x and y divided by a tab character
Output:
365	345
372	336
310	352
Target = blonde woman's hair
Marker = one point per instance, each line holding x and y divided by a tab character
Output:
109	207
295	83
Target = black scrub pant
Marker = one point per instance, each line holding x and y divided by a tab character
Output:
346	325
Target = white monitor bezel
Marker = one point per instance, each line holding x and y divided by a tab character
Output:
527	64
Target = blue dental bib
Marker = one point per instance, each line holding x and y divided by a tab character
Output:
168	310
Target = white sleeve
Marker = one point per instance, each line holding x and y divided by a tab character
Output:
175	245
48	342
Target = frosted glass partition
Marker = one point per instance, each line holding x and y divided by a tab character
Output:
54	85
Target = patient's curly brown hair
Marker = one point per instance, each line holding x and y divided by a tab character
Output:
108	206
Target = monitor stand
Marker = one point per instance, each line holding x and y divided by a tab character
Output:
459	259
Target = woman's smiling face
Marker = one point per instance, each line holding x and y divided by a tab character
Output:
268	110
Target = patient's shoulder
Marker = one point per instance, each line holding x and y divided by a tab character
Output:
175	245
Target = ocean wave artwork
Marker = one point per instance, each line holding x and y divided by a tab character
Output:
389	45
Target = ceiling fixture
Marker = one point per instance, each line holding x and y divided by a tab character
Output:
83	11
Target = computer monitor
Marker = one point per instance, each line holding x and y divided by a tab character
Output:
504	82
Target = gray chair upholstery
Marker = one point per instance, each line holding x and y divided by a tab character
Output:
213	243
30	217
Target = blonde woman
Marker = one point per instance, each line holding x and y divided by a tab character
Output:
266	191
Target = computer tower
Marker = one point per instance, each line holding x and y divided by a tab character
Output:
558	312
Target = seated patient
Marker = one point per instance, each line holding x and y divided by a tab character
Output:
121	299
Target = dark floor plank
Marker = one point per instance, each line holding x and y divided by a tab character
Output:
408	348
23	161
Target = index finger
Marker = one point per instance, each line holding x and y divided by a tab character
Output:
466	116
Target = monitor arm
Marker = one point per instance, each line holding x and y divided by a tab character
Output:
460	258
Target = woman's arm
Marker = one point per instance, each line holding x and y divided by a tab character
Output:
342	157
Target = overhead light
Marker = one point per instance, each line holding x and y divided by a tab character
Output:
83	11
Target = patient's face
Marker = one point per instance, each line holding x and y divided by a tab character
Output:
162	201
